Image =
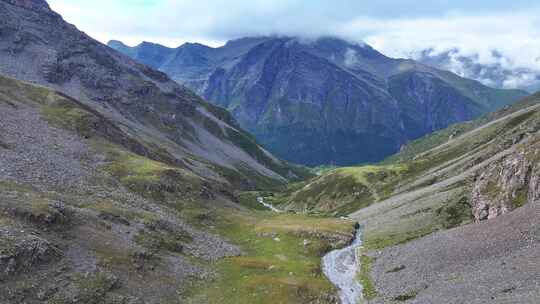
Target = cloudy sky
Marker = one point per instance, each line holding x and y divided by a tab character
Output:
396	27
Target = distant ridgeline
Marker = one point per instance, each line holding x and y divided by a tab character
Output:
325	101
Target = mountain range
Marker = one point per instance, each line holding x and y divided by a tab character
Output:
323	101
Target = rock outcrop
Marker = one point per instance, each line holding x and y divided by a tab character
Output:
20	252
506	185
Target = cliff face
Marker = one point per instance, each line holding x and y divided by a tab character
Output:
507	185
323	101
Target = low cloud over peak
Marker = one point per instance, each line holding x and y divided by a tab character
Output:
476	29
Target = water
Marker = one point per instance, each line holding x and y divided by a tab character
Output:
341	268
267	205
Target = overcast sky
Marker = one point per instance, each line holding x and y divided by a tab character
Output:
395	27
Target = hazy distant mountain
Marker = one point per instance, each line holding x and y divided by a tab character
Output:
494	74
325	101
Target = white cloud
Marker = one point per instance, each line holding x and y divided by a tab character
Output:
513	35
392	27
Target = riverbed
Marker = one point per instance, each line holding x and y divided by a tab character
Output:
341	268
267	205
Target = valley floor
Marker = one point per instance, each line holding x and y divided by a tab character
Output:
281	262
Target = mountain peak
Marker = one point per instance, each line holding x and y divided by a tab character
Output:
196	45
147	43
112	43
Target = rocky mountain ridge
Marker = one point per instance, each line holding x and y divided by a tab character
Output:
174	124
323	101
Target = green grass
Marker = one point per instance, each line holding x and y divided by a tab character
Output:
91	289
56	108
277	267
364	276
345	190
322	169
172	241
407	296
63	112
8	245
149	178
383	239
453	212
521	198
109	207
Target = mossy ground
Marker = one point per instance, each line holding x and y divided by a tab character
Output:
364	276
278	266
437	215
344	190
151	179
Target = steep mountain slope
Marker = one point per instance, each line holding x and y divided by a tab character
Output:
171	122
440	215
325	101
79	212
85	220
128	194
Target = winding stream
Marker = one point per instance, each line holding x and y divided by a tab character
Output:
267	205
341	268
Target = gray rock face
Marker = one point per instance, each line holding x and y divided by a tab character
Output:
323	101
506	185
22	252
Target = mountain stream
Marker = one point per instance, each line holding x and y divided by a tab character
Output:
340	266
